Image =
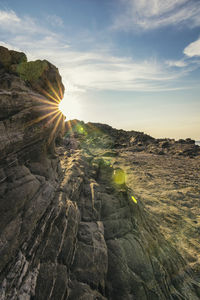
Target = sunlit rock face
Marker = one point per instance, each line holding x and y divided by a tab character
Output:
30	93
141	263
70	227
41	75
29	168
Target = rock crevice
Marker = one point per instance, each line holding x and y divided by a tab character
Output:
67	229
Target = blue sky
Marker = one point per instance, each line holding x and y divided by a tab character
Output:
133	64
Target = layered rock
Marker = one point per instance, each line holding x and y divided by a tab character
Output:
168	183
134	141
29	170
69	230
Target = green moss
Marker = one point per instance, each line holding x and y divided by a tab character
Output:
32	71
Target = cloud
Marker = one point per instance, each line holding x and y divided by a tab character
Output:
152	14
92	69
176	63
55	20
193	49
113	73
8	18
10	23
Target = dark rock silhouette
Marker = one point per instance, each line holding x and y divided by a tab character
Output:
69	230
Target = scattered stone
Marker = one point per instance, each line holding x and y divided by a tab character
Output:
71	227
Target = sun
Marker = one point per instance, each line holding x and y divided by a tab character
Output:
62	107
49	112
71	106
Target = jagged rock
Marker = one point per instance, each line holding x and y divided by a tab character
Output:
10	58
43	78
69	230
5	57
104	136
41	75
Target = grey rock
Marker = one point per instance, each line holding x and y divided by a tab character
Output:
68	230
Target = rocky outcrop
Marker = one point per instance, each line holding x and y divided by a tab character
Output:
29	169
135	141
40	75
70	226
168	181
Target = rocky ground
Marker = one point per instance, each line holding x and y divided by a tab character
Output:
169	187
163	173
74	224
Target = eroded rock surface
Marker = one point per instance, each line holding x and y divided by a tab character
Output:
70	228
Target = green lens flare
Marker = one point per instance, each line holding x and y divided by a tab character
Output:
81	130
119	176
134	200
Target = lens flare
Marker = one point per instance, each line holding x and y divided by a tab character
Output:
62	107
48	109
134	200
119	176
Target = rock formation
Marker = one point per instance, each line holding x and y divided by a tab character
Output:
70	226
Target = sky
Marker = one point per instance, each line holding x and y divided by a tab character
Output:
132	64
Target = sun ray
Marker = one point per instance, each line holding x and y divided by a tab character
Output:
60	89
52	113
69	125
53	118
52	97
73	123
55	128
40	118
45	101
54	91
63	124
45	107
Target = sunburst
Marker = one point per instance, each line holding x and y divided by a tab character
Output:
48	108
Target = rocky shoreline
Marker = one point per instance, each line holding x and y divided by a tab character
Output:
74	223
163	172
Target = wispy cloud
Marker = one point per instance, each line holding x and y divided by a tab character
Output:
105	72
91	70
54	20
152	14
10	23
177	63
8	17
193	49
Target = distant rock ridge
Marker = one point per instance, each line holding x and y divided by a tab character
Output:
136	141
68	230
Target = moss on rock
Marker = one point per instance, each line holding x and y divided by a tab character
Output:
32	71
41	75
